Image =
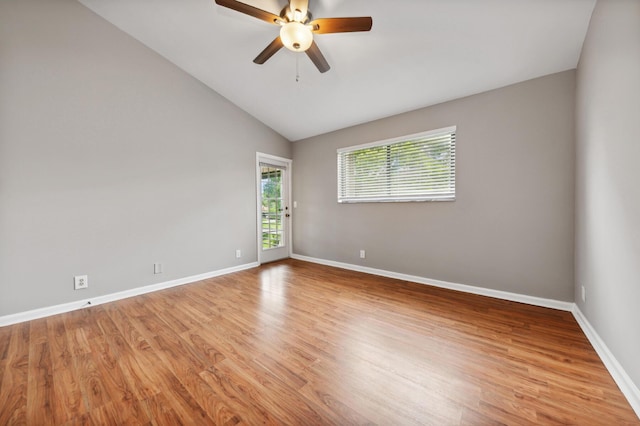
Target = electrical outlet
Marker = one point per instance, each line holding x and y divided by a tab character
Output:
362	254
238	254
80	282
157	268
584	294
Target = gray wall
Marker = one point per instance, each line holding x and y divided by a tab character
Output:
608	175
111	159
511	227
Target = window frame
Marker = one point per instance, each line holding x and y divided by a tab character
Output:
430	134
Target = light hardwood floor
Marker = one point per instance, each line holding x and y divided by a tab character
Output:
299	344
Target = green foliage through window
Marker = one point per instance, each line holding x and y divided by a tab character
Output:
412	168
272	220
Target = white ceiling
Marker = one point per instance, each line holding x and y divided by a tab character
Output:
419	53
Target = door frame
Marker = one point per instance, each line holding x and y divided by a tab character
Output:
260	156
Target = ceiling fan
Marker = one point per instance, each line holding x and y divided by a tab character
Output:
297	29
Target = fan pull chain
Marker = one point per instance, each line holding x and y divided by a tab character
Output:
297	68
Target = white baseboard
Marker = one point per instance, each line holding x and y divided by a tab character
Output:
620	376
72	306
505	295
622	379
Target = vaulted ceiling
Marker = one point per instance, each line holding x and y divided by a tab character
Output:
418	53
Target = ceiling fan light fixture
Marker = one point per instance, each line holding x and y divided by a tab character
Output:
296	37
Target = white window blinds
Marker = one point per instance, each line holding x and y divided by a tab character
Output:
418	167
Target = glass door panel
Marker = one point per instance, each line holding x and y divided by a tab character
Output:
273	208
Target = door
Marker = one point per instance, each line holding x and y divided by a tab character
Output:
274	214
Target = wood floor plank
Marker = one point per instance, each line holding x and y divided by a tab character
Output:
297	343
69	402
242	399
256	388
14	374
40	390
135	365
184	363
5	340
121	399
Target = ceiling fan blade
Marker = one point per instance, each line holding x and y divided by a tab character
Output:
269	51
341	25
249	10
301	5
317	58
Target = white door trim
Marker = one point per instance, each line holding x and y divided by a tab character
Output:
288	163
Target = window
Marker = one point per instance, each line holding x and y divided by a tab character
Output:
418	167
